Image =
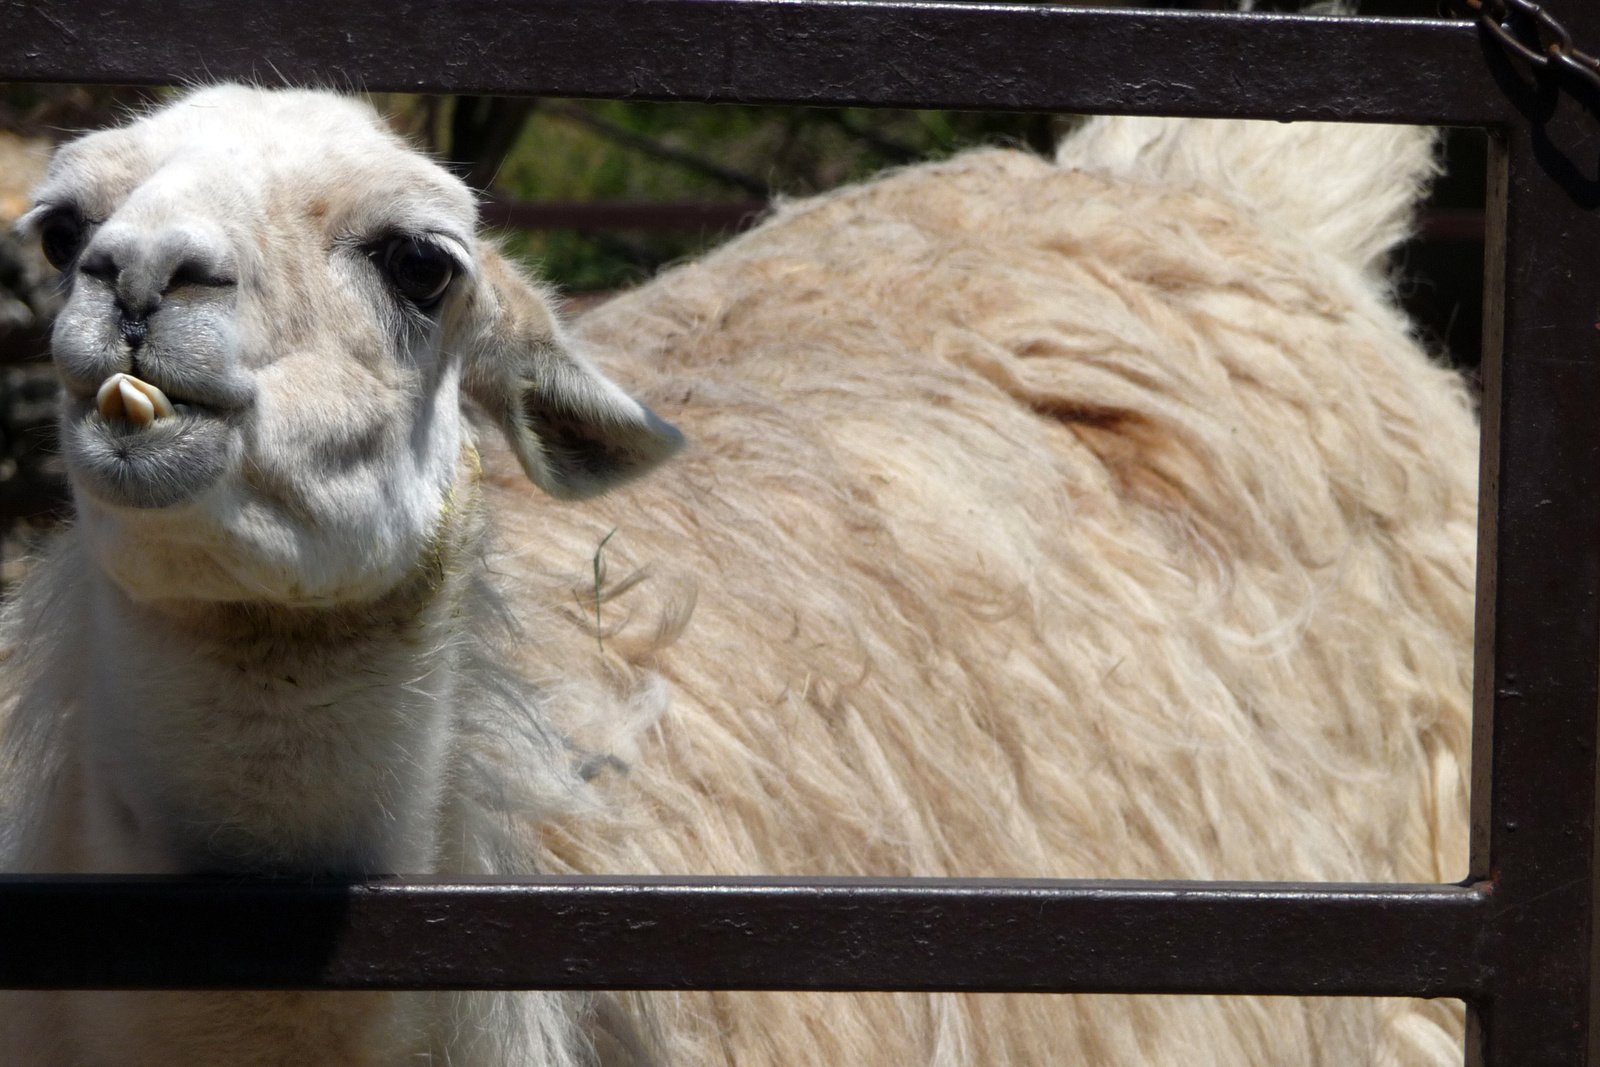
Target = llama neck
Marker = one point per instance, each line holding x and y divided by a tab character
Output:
267	739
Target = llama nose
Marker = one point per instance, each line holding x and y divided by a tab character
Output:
142	268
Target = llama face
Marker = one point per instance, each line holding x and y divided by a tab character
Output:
273	306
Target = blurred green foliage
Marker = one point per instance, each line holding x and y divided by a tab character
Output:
571	151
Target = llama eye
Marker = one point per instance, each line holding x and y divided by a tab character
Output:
61	238
419	270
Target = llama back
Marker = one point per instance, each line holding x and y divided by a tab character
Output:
1058	520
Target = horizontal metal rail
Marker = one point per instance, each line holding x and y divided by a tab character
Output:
1024	57
689	216
1032	936
1445	224
1522	952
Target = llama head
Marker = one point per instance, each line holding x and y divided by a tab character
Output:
274	312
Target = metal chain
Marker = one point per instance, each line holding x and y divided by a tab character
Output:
1554	42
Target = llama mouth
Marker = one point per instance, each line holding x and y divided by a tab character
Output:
136	402
133	400
132	445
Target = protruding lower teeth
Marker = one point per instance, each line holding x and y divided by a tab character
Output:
122	396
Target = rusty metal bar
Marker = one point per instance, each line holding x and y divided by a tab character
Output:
1445	224
692	216
655	933
1538	636
1020	57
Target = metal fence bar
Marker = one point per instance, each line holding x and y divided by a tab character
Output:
654	933
1444	224
825	52
1521	948
683	216
1538	633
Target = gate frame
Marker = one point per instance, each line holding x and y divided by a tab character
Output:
1517	940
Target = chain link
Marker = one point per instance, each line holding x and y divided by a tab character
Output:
1552	47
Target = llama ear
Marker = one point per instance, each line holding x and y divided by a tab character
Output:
575	431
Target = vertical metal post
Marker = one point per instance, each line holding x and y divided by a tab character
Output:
1534	805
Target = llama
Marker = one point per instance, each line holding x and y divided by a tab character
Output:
1096	518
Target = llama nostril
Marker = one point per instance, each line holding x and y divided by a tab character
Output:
197	272
141	269
98	263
